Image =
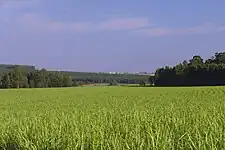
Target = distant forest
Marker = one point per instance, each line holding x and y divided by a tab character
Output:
21	76
195	72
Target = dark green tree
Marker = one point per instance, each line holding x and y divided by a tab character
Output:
142	84
196	73
18	78
6	81
67	81
196	60
113	83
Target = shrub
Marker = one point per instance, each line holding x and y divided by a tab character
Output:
142	83
113	83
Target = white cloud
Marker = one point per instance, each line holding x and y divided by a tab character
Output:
35	21
38	22
206	28
222	28
2	2
137	25
154	31
124	24
18	4
11	9
11	13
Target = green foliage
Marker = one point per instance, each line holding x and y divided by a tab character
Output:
42	78
91	77
75	84
19	78
56	79
195	73
80	83
112	118
151	79
142	83
113	83
7	68
5	81
67	81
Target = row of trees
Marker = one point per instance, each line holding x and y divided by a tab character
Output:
86	77
91	77
19	78
23	77
195	72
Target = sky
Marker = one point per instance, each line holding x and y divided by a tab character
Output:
109	35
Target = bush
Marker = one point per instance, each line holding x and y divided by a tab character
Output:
77	83
142	83
113	83
80	83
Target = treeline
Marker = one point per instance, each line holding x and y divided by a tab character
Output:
91	77
85	77
15	76
195	72
8	67
18	77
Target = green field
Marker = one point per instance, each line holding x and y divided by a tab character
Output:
113	118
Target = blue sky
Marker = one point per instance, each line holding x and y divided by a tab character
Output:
103	35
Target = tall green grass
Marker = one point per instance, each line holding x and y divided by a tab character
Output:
113	118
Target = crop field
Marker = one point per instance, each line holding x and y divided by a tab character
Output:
113	118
